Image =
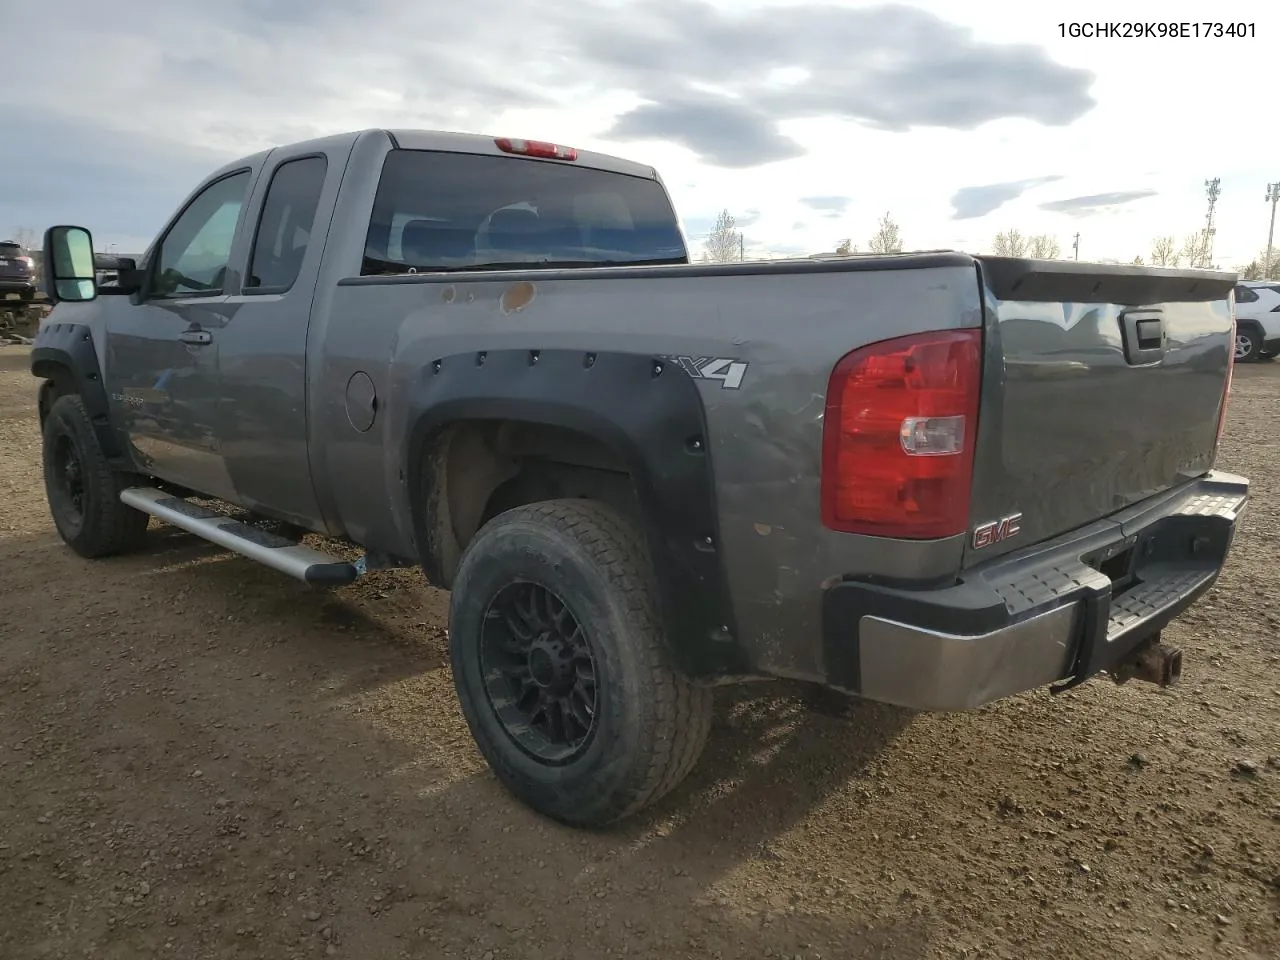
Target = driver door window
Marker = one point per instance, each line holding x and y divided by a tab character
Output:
193	257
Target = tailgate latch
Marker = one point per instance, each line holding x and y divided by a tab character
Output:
1143	334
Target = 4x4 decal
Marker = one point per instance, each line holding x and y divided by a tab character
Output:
728	370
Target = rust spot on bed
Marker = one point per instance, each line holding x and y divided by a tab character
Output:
518	296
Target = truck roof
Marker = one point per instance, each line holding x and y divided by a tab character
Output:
451	142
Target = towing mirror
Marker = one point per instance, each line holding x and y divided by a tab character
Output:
68	265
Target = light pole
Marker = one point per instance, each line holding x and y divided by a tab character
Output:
1273	194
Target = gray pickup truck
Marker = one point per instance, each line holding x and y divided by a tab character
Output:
931	479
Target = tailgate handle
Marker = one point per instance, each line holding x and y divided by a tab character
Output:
1143	336
1150	334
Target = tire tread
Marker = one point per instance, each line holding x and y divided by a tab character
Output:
114	527
678	718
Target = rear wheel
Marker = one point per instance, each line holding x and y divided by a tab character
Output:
1248	344
82	488
561	666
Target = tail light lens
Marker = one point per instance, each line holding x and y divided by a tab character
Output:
898	436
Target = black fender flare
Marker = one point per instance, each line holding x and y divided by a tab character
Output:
70	346
650	414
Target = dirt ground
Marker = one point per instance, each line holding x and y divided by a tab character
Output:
200	758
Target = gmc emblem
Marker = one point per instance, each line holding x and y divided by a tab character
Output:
997	531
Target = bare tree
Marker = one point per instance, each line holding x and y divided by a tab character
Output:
25	237
1196	250
725	241
845	248
1011	243
887	238
1270	269
1137	261
1164	252
1257	268
1043	247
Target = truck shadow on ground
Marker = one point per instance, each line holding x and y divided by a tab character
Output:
327	723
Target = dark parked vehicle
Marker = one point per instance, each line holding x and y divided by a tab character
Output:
17	272
929	479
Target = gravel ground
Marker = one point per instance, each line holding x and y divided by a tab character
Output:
199	758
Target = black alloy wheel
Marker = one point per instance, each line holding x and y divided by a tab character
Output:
539	672
68	482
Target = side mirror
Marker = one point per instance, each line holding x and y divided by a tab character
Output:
69	265
118	275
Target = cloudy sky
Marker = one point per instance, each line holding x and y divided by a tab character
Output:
807	120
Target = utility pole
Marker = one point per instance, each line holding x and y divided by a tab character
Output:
742	247
1273	194
1212	188
1076	245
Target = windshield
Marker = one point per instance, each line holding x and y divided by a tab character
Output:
452	211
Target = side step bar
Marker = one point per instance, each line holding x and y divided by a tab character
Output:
269	549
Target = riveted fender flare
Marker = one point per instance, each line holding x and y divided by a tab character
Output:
71	347
649	413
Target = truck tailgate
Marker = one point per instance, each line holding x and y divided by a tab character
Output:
1102	386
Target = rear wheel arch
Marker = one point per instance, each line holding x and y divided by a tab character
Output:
522	426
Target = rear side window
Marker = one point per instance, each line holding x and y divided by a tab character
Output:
284	228
454	211
1245	295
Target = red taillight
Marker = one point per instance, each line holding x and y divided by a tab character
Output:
898	436
536	148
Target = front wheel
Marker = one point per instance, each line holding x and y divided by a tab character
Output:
82	488
561	666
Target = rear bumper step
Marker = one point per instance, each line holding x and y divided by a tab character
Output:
279	553
1042	615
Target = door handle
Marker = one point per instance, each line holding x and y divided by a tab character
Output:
198	337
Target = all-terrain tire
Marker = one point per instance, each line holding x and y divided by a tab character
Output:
98	525
650	724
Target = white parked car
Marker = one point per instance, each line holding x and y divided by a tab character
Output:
1257	320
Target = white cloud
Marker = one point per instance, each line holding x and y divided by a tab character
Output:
746	105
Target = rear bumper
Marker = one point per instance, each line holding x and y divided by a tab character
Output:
14	285
1063	610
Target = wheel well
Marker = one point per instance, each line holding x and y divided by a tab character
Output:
58	382
480	468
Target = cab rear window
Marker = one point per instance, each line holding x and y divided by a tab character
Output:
439	211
